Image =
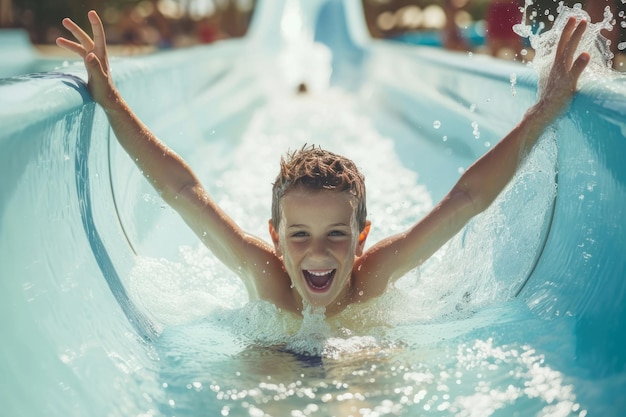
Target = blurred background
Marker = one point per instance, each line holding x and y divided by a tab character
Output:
140	26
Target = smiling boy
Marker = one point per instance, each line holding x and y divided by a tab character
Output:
319	226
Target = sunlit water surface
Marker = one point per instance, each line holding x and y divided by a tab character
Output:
441	341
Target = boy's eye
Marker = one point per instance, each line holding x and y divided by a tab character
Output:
336	233
299	234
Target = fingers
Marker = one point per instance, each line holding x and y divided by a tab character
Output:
580	64
95	65
568	44
86	45
98	35
566	34
80	35
71	46
574	41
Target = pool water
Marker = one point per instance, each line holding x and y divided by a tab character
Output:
423	346
112	307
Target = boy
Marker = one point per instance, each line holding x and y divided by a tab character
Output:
318	226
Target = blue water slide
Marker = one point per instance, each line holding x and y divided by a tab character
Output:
75	213
19	56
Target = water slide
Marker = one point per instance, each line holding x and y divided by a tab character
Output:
83	335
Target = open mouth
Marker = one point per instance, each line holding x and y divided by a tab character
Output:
319	280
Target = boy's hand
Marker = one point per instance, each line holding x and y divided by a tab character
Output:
565	72
94	54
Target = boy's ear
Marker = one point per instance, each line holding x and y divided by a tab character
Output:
363	238
275	240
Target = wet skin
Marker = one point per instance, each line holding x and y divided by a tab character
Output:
318	241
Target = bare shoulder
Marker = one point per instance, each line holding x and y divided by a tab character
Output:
393	257
249	257
265	277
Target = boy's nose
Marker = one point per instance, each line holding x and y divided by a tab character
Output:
318	249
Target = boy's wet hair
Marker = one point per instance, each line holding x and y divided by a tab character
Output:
316	169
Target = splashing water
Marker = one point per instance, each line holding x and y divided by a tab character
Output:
513	80
224	355
178	291
544	43
229	356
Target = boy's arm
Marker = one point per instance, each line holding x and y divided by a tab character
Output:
483	181
166	171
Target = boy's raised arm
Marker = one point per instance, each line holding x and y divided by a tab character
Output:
164	169
167	172
487	177
484	180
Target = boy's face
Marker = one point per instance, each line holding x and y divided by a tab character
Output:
318	241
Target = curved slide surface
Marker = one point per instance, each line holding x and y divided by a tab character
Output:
75	214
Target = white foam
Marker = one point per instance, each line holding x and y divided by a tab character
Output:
544	43
459	279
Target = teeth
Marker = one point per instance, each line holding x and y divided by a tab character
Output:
319	280
320	274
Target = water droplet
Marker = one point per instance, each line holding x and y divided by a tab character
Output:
436	124
513	80
475	130
445	138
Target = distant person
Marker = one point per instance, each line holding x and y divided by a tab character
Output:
208	29
502	41
163	27
319	224
130	26
453	39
